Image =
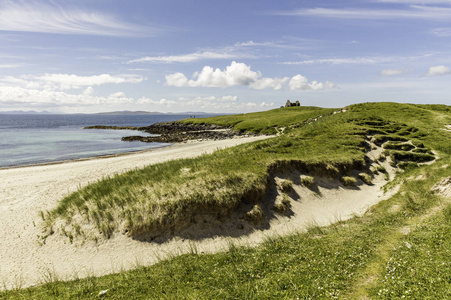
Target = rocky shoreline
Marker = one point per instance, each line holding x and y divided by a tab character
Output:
176	132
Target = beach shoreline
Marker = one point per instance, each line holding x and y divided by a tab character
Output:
88	158
25	191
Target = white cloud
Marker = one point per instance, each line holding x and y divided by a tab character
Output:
39	17
236	51
300	82
228	98
188	57
357	60
235	74
441	32
210	99
273	44
393	72
177	79
162	101
6	66
15	95
69	81
240	74
119	98
88	91
413	12
23	82
275	83
340	61
438	70
213	103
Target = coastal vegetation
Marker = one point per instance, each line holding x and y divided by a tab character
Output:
399	249
166	197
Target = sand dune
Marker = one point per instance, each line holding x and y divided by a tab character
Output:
25	260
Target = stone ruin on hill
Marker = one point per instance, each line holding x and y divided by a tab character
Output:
289	104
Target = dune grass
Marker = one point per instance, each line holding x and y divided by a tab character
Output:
161	197
366	256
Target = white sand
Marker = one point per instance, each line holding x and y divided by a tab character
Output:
24	192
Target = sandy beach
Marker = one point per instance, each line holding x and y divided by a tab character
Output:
26	191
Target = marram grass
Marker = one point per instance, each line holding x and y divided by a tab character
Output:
161	197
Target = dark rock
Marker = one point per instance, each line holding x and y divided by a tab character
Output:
176	132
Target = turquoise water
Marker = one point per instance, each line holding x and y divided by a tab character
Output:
32	139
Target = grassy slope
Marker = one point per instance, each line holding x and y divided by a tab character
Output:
352	259
266	122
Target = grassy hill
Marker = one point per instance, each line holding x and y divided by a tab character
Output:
399	248
268	122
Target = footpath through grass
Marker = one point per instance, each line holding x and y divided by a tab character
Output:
372	256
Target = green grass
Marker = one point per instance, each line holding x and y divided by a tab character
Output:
160	197
282	204
348	260
366	178
266	122
307	181
348	181
286	186
399	146
419	266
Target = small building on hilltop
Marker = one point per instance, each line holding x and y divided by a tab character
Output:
289	104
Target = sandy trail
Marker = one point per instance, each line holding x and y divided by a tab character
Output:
24	192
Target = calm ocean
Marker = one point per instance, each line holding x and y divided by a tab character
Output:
31	139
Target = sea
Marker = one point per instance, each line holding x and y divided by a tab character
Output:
27	139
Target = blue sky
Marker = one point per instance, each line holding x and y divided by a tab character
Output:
221	56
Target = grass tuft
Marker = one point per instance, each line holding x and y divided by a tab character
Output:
282	204
286	185
348	181
366	178
255	215
308	181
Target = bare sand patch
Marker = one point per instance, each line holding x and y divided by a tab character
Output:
443	187
26	260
